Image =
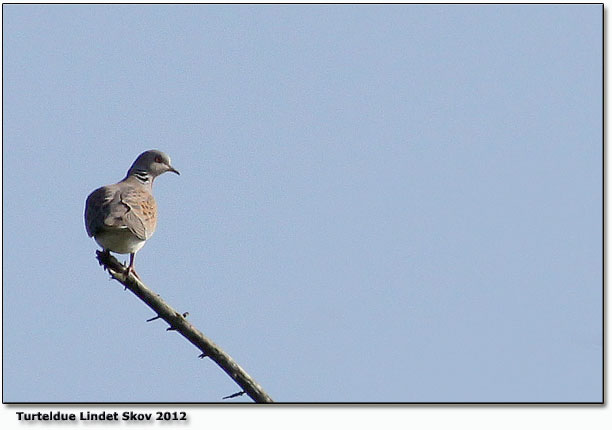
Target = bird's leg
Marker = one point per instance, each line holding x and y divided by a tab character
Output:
130	268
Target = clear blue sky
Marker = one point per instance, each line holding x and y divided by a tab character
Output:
376	203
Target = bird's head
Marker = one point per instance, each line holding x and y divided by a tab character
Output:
152	163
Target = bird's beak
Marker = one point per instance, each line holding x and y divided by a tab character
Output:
172	169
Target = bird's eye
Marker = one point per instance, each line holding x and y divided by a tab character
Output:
158	159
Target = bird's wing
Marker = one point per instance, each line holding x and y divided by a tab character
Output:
117	206
139	212
99	206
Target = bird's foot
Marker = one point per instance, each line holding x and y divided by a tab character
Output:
130	269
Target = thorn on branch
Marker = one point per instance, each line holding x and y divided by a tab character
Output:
154	318
231	396
184	315
203	355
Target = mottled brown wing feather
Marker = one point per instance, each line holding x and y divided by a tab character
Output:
141	215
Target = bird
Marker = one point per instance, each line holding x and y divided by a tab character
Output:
121	217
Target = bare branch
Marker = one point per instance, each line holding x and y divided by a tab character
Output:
179	323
